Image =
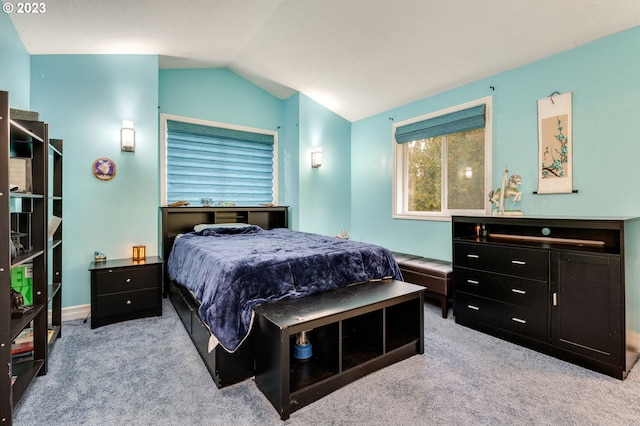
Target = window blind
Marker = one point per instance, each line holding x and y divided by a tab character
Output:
455	122
226	165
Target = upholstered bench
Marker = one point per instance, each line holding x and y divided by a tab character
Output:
436	275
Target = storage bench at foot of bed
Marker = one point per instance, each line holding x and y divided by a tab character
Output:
225	368
353	331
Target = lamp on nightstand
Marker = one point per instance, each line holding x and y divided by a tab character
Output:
139	252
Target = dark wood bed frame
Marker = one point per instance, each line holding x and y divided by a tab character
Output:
225	368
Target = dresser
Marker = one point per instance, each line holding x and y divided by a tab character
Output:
124	289
567	287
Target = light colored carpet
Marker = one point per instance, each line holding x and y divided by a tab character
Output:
146	372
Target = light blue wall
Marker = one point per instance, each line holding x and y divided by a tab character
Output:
289	150
325	192
84	98
217	94
603	77
14	66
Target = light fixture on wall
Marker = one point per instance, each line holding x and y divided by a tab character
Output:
316	157
468	173
127	136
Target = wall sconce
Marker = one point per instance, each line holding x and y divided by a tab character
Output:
316	157
139	253
468	173
127	136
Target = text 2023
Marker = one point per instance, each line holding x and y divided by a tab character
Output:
32	8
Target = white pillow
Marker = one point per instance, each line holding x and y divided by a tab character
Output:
203	226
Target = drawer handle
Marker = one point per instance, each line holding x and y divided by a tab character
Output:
518	262
473	256
475	308
128	280
515	290
521	321
474	282
128	302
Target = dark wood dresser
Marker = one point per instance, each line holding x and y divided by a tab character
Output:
565	287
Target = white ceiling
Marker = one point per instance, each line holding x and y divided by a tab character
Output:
356	57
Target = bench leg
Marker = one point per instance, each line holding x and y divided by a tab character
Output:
444	306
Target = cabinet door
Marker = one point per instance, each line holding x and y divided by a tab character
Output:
587	303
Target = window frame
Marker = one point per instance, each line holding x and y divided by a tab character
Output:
164	146
400	176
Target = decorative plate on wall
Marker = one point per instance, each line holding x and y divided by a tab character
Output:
104	169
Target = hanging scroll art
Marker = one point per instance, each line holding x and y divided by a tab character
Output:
555	144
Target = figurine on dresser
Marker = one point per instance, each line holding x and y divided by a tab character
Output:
509	189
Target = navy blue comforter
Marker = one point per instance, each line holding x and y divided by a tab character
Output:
231	270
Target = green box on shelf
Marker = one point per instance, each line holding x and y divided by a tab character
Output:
22	282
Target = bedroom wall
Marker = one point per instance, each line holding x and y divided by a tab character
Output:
14	72
325	192
289	152
84	98
603	76
217	94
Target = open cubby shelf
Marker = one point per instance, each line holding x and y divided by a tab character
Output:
353	331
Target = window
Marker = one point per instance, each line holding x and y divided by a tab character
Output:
224	163
442	163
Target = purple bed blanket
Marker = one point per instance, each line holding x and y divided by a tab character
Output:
231	270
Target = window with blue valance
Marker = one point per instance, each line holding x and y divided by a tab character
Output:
222	164
455	122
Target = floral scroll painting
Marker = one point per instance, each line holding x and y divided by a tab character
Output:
555	145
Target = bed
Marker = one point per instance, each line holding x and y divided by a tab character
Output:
216	276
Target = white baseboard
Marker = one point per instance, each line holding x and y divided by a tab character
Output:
75	312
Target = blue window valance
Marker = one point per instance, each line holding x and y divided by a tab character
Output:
455	122
225	165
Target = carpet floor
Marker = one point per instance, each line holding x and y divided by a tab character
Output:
146	372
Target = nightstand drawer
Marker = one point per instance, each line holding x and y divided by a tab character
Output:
116	280
126	302
515	319
505	288
506	260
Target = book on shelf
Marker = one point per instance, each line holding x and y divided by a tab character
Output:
22	282
20	174
54	223
24	356
21	348
23	343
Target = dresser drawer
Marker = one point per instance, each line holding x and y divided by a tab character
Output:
515	319
126	302
520	262
504	288
126	279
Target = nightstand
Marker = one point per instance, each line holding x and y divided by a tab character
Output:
124	289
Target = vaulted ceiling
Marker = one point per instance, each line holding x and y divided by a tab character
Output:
356	57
